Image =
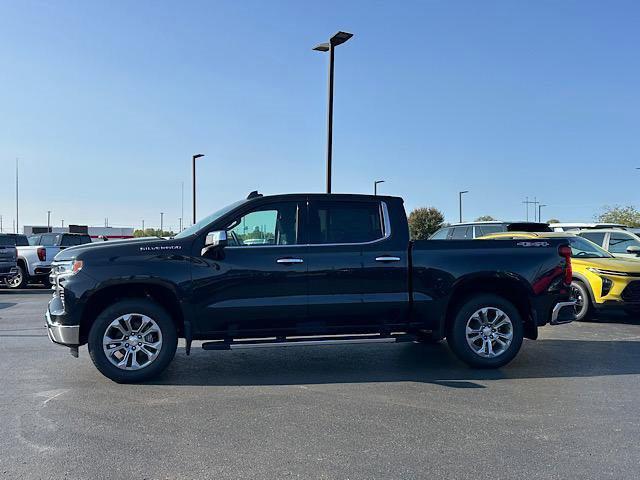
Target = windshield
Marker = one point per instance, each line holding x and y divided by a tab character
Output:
583	248
207	220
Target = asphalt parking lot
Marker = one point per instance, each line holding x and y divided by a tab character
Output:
567	407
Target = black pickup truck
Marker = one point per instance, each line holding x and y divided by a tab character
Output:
298	270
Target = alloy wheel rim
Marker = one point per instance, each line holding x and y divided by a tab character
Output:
132	341
576	294
16	280
489	332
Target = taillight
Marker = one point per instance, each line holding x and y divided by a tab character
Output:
565	251
42	254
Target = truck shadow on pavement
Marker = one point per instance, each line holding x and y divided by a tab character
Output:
397	363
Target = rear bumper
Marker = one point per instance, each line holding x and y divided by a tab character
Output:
7	272
563	312
67	335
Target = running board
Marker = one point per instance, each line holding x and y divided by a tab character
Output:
306	341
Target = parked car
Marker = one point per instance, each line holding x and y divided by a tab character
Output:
620	243
471	230
8	256
600	280
569	227
339	269
35	257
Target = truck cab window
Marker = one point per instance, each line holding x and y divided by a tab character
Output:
275	224
48	240
345	222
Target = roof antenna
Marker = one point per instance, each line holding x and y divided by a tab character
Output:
253	194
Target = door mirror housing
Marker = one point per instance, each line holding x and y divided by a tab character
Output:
633	249
215	239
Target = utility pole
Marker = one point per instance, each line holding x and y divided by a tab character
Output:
143	226
48	220
193	172
62	223
182	207
540	212
161	222
180	223
527	202
0	223
17	208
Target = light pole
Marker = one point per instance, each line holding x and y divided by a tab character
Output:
540	212
143	227
338	39
460	202
375	186
48	220
193	171
17	208
62	223
161	222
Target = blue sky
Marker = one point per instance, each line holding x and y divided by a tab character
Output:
104	103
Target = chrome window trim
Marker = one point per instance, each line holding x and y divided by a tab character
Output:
386	230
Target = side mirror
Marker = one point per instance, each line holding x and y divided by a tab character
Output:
214	239
633	249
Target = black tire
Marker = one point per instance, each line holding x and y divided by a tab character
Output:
584	313
457	333
138	306
23	279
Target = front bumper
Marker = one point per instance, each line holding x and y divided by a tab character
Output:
67	335
563	312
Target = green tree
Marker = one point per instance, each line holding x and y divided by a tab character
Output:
553	220
628	215
424	221
485	218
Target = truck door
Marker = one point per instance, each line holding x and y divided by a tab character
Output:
357	275
259	282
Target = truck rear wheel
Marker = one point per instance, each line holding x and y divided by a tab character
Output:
486	332
132	341
19	280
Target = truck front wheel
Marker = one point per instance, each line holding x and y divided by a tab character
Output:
486	332
132	341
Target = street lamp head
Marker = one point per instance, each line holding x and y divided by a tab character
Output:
339	38
465	191
198	155
322	47
379	181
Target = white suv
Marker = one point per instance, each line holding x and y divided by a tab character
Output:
618	242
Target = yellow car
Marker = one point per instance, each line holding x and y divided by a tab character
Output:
600	280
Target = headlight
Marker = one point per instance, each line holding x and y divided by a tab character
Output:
599	271
69	267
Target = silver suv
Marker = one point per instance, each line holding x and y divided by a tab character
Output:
618	242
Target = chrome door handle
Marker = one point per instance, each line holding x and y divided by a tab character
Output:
387	258
289	261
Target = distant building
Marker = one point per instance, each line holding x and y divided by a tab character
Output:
111	233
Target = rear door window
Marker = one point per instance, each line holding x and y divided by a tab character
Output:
71	240
48	239
345	222
441	234
595	237
618	242
462	233
482	230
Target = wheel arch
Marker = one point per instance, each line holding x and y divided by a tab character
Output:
513	289
587	284
100	299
